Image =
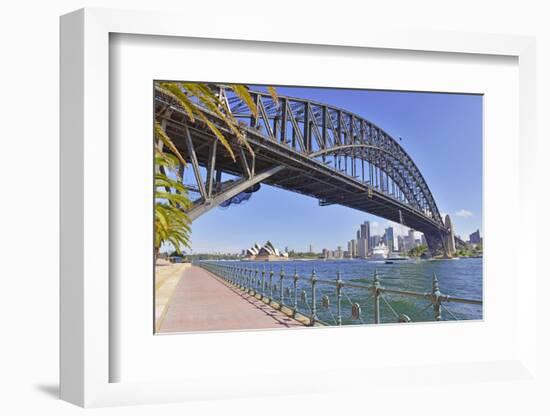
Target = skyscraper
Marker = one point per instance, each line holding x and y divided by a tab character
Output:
352	248
412	239
362	248
475	238
365	230
390	239
365	235
400	243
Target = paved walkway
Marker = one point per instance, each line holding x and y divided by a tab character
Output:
167	277
201	302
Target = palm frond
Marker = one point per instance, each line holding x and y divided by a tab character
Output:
173	90
162	136
273	94
242	92
218	134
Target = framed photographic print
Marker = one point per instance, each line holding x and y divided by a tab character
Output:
227	153
322	212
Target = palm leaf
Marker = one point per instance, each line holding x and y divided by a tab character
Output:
218	134
172	89
242	92
160	133
273	94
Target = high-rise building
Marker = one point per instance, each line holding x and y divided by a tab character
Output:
400	243
475	238
362	248
390	239
311	248
412	239
353	248
365	230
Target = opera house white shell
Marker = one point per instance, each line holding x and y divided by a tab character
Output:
266	252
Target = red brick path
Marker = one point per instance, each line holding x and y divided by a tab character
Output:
203	303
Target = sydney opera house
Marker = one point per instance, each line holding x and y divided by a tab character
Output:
265	253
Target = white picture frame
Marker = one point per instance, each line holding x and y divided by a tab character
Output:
87	356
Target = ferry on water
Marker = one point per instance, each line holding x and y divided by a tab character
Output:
393	258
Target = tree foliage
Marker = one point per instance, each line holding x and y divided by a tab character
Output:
172	225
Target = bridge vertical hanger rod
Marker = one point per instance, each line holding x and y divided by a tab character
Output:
283	120
254	118
275	127
339	127
211	167
195	163
307	135
324	127
352	141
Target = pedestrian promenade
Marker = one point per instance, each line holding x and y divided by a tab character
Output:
202	302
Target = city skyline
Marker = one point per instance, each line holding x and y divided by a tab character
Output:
441	132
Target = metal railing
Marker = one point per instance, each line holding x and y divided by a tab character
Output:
300	294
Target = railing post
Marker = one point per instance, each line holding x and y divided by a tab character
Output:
313	298
295	290
271	282
282	276
256	275
338	298
376	294
263	280
436	298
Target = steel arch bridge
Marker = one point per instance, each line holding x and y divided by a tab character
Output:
307	147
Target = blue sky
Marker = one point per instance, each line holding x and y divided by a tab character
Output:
441	132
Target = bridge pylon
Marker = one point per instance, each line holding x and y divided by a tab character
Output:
449	238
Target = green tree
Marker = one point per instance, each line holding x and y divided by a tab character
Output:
418	251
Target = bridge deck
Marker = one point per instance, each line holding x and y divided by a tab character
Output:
203	303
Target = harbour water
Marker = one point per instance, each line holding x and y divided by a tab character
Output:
459	278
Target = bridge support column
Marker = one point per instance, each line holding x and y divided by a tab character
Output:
449	239
437	244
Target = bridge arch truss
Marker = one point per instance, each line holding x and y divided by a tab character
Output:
308	147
